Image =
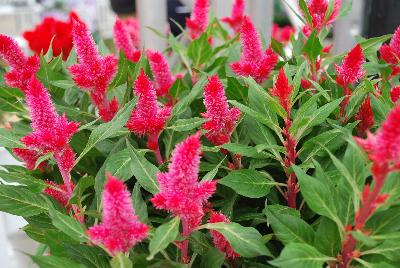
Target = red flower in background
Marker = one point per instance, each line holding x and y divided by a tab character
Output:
319	14
198	21
163	78
395	94
59	192
282	90
254	61
282	34
120	229
221	120
218	239
40	37
366	117
237	15
126	38
390	53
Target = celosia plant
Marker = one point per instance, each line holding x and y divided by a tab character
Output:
252	156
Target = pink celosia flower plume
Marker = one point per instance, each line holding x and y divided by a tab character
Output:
319	18
59	193
93	72
366	117
180	191
148	118
390	53
254	61
395	94
120	229
198	21
282	90
163	78
22	67
221	120
126	38
218	239
237	15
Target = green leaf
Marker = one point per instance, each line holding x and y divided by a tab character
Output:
20	201
9	140
318	196
313	46
246	241
43	158
289	228
194	93
212	173
32	183
187	124
248	182
164	235
108	129
138	203
121	261
82	185
245	150
199	242
89	256
68	225
300	256
306	12
144	171
199	50
120	165
55	262
327	238
389	249
213	258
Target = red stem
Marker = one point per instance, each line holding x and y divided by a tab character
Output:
290	159
185	244
152	144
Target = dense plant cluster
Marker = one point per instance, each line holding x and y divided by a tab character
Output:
240	155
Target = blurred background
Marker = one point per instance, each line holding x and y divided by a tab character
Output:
273	18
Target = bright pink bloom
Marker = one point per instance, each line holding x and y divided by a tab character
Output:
126	38
180	191
282	90
254	61
93	72
221	120
282	34
390	53
351	69
305	84
59	193
383	148
163	79
120	229
237	15
148	118
198	21
395	94
366	117
30	157
22	67
318	10
218	239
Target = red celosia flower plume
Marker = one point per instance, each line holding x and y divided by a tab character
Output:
161	72
180	192
120	229
221	120
39	39
59	193
126	38
148	118
282	90
22	67
93	72
366	117
390	53
282	34
198	21
218	239
351	69
395	94
237	15
318	10
254	61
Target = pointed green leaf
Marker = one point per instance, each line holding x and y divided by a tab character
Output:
164	235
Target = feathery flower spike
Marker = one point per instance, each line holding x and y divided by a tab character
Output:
126	38
59	193
148	118
237	15
366	117
221	120
180	191
93	72
120	229
319	18
282	90
161	72
218	239
253	62
282	34
351	69
395	94
22	68
198	21
390	53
